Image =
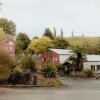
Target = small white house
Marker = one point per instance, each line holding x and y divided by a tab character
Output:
93	62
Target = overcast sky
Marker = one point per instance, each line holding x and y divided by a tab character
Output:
32	16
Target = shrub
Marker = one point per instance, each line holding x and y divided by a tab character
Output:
6	60
6	63
52	82
49	69
48	81
4	73
88	73
27	61
18	69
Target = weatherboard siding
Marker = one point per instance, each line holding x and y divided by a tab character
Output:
7	44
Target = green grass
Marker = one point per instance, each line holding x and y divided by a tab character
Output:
74	41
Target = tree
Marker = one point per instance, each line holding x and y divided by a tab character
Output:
40	45
60	43
72	33
5	60
6	63
87	49
27	61
35	37
62	34
97	47
77	48
55	34
49	69
48	33
29	64
22	42
77	60
0	5
2	33
8	26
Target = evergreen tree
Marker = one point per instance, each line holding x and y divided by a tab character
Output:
48	33
22	42
72	33
82	35
62	34
54	32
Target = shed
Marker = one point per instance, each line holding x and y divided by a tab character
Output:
57	55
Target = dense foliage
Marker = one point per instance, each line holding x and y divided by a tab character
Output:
49	69
40	45
6	63
27	61
60	43
8	26
48	33
28	67
22	42
2	33
77	60
88	45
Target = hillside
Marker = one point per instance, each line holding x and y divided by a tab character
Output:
74	41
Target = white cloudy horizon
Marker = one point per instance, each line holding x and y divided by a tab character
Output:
33	16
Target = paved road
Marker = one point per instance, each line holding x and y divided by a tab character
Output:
75	89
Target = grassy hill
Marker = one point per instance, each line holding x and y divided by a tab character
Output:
74	41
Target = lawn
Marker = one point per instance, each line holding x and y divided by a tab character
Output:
74	41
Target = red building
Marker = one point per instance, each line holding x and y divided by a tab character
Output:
7	44
57	55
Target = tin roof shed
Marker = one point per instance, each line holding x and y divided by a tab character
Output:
64	54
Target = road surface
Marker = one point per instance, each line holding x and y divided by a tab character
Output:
75	89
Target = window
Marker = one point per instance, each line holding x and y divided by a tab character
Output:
93	67
98	67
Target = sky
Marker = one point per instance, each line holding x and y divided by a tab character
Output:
33	16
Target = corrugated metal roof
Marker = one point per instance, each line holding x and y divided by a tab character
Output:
63	54
90	58
93	57
62	51
63	58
